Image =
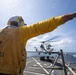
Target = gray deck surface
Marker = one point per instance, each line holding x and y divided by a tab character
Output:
36	67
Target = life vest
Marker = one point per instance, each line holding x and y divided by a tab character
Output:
12	54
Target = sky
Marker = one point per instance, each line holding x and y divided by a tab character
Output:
34	11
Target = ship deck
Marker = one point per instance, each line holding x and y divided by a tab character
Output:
35	66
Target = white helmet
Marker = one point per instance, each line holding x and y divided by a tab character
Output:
17	19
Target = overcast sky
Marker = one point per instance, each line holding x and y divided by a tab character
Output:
37	10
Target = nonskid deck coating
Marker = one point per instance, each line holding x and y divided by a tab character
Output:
35	66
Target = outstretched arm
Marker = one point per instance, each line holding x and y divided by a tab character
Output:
68	17
46	25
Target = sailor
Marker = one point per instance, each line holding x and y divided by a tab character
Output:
14	37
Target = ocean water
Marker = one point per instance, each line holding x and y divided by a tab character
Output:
70	57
